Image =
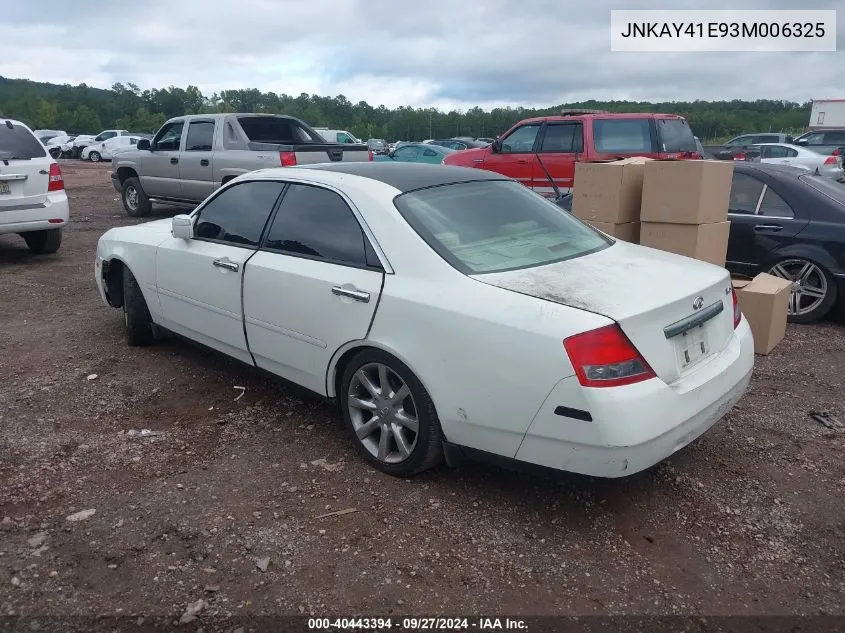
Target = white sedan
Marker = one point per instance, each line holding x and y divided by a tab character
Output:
785	154
449	312
107	149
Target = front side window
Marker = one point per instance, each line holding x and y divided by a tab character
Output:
520	141
200	136
745	194
237	215
169	138
406	153
622	136
495	225
814	139
317	223
106	136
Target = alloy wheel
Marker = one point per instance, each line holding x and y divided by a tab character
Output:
131	196
809	284
383	413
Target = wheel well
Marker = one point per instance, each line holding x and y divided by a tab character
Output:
113	278
227	179
125	173
343	361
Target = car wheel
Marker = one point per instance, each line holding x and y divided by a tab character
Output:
94	157
389	414
813	290
43	242
135	201
138	325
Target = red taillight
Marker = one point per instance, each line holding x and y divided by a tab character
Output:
56	183
288	159
830	160
737	311
606	358
739	156
836	152
369	154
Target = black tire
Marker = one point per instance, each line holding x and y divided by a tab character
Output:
138	324
43	242
427	450
825	305
94	157
137	205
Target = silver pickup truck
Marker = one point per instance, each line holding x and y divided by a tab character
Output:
191	156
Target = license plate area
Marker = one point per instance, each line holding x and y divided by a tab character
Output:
5	187
692	347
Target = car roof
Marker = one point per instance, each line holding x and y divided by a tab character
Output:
783	171
603	115
401	176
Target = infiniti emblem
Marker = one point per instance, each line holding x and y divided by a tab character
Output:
698	303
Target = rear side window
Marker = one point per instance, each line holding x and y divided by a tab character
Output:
200	136
316	223
622	136
19	143
775	206
265	129
745	194
675	135
238	214
766	139
834	138
563	138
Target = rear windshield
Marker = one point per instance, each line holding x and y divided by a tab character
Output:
828	187
19	143
265	129
495	225
625	136
675	135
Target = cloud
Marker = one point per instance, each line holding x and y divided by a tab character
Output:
439	53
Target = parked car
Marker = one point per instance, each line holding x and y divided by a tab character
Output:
459	144
387	287
563	140
377	145
46	135
783	154
739	144
109	148
33	202
416	153
191	156
339	136
85	140
60	146
823	141
790	223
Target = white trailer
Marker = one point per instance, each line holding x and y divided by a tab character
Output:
827	113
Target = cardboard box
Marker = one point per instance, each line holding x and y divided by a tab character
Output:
765	303
707	242
627	232
686	191
609	192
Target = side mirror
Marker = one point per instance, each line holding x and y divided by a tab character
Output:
496	146
144	144
182	227
801	141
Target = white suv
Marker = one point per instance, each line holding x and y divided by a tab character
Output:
33	201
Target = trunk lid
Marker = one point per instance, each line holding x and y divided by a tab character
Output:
651	294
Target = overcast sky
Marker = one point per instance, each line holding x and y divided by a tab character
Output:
444	53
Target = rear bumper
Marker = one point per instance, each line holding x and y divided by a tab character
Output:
639	425
54	213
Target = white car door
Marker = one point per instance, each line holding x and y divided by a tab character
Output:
312	287
199	280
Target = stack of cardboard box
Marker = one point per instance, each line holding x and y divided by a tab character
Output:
685	208
607	196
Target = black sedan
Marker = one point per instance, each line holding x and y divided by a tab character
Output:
789	223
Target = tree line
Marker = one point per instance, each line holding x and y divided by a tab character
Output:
84	109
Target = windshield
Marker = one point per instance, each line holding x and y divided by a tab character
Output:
828	187
19	143
675	136
495	225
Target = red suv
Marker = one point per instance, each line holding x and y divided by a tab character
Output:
561	141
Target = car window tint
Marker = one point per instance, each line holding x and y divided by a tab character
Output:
430	152
406	153
834	138
675	136
278	130
814	139
791	153
317	223
766	139
170	137
775	206
520	141
238	214
200	136
622	135
745	193
561	138
776	151
18	142
738	141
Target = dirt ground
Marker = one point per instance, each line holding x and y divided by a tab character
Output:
747	520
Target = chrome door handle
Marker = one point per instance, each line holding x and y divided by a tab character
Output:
225	263
358	295
768	227
478	160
